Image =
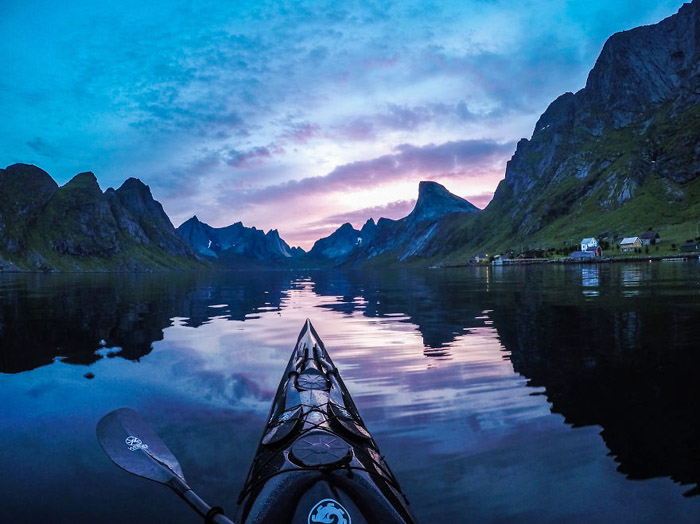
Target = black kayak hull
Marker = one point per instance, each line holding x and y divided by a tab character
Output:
316	462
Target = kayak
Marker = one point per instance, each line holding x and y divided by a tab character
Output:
316	462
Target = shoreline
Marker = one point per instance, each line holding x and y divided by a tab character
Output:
568	261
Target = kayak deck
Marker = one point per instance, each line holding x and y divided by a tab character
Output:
316	461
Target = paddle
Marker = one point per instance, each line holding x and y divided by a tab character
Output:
133	446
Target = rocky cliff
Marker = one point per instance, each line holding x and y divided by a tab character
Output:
236	244
77	227
389	241
620	155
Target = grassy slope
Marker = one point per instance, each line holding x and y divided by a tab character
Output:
671	209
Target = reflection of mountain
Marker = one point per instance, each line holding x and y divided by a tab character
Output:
630	367
47	316
614	347
426	298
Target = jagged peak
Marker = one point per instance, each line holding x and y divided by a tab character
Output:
86	180
346	227
193	221
434	200
132	183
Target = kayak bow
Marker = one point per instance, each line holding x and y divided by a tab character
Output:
316	461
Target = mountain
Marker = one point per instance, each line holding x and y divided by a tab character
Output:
339	244
616	158
237	245
435	201
77	227
390	241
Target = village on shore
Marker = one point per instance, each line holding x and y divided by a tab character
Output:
644	247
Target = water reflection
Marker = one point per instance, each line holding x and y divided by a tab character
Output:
590	279
631	276
83	318
629	367
456	371
442	308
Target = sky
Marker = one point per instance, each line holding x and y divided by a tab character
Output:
299	115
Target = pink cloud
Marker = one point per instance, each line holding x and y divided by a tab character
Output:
301	133
463	158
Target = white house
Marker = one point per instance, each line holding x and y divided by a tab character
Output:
588	242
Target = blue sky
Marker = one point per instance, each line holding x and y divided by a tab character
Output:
292	115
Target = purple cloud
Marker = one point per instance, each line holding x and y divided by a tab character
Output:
463	157
246	159
394	210
301	132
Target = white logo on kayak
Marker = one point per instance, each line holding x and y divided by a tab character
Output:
329	511
135	443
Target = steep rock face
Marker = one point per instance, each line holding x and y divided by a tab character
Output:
339	244
24	191
196	235
634	125
78	220
277	245
434	201
415	235
149	218
77	226
235	243
646	66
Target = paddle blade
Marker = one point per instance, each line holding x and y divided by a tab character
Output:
133	446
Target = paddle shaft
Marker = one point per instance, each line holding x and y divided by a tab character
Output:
196	503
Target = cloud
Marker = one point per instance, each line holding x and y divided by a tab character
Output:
232	107
40	146
300	132
460	157
393	210
246	159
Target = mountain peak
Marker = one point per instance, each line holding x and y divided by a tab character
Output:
134	184
86	181
434	201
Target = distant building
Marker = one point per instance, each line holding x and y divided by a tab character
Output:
581	255
588	242
479	259
630	244
597	251
650	238
689	246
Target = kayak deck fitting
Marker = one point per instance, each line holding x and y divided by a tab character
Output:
316	461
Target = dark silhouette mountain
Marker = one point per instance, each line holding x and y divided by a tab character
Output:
390	241
77	227
236	244
434	201
339	244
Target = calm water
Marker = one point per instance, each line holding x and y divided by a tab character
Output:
524	394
